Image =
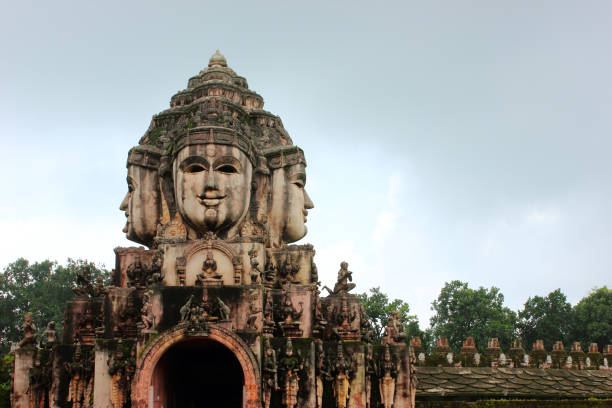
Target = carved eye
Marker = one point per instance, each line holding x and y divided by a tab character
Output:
227	168
195	168
299	183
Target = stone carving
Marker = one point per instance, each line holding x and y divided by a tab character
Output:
290	365
343	317
288	317
223	309
80	370
394	332
147	316
142	202
121	369
290	202
254	311
342	371
288	271
216	191
29	331
367	331
320	322
256	274
321	371
269	322
49	336
40	379
269	373
387	372
213	181
342	286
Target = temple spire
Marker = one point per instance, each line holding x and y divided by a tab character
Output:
217	59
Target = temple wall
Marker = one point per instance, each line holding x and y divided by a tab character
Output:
24	361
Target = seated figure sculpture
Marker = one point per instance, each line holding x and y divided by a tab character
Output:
141	203
342	286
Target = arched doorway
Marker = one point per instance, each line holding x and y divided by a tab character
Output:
175	368
198	373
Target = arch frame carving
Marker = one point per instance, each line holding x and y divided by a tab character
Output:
151	355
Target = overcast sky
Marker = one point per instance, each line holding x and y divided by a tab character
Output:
446	140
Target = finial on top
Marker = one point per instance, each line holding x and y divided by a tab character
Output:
217	59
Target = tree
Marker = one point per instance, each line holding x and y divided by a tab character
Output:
592	321
41	288
461	312
378	309
547	318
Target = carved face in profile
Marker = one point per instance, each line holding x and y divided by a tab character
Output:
290	204
213	186
141	204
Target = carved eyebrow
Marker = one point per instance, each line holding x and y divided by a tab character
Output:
221	161
193	160
301	176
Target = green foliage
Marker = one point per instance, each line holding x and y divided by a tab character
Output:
6	367
378	309
547	318
41	288
461	312
592	320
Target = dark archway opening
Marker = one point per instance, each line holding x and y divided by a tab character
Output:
196	374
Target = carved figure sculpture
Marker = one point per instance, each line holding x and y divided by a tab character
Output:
270	373
287	313
49	336
321	371
212	181
387	374
342	371
254	311
121	369
185	310
223	309
290	202
255	271
147	317
81	380
342	286
290	366
141	204
394	332
29	331
41	375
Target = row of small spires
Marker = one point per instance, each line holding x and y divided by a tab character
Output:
538	358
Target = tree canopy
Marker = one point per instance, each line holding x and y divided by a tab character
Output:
378	309
42	288
548	318
592	320
462	312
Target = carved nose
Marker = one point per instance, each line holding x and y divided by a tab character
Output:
124	204
307	201
210	183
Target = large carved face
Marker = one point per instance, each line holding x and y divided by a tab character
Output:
290	203
141	204
213	186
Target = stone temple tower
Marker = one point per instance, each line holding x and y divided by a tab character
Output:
218	310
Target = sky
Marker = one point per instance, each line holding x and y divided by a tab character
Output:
445	140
